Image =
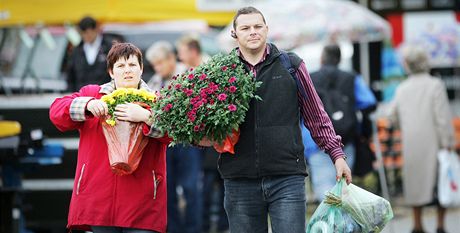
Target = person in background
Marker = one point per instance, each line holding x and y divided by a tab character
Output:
163	60
189	52
421	110
102	201
213	186
87	62
185	170
266	175
330	81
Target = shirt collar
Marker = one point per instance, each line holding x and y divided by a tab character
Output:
96	43
109	87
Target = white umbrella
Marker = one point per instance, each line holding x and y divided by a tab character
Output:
297	22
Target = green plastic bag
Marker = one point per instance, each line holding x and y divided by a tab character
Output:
350	209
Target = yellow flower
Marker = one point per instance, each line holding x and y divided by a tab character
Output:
131	91
110	122
105	98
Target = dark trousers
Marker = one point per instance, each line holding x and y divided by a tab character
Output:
184	168
213	200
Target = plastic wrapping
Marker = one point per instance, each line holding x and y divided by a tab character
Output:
228	144
350	209
126	144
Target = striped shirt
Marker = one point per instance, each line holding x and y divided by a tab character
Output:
312	110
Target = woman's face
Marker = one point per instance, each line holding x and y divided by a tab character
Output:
126	72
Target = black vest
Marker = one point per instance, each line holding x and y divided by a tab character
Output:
270	140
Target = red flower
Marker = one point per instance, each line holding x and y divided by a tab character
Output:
232	89
188	92
232	79
191	115
167	107
222	97
196	128
203	77
191	76
191	69
224	68
232	107
178	86
233	66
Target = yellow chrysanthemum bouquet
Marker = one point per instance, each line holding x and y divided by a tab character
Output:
125	140
127	95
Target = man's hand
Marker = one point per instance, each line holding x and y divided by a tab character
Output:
205	142
132	112
97	107
343	170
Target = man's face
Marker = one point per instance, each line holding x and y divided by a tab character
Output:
164	66
251	31
89	35
185	54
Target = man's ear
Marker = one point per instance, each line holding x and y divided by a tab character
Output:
233	34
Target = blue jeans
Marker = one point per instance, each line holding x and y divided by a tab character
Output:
102	229
323	173
249	202
184	168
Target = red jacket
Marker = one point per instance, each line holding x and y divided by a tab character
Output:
101	197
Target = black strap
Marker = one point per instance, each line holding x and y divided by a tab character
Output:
286	61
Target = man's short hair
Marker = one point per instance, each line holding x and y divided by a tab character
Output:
122	50
331	55
87	23
159	50
416	59
246	11
191	41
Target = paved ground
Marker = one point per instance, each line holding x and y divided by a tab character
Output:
402	222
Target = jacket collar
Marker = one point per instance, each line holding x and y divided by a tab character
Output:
109	87
272	54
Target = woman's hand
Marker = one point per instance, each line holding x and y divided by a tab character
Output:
343	170
97	107
132	112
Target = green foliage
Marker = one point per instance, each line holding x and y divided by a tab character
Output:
209	101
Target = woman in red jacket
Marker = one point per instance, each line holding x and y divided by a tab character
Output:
101	200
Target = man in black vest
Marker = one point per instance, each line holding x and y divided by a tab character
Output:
266	175
87	63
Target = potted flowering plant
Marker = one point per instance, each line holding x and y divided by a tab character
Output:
208	102
125	140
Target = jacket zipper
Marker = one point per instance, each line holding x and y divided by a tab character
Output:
155	185
79	179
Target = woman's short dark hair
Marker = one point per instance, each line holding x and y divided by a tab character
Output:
122	50
246	11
